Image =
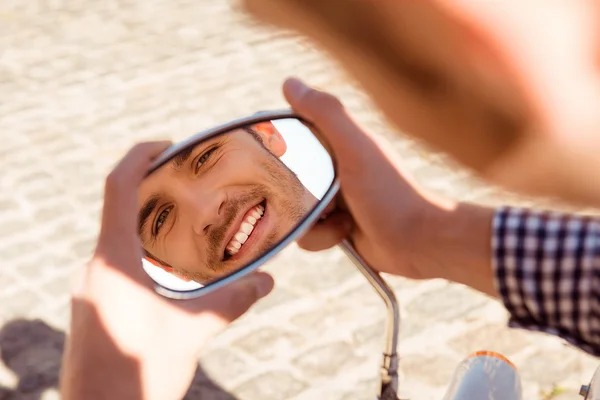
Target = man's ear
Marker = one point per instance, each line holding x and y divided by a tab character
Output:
167	269
272	139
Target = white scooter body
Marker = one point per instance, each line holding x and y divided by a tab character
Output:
485	375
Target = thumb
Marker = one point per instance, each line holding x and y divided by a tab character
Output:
232	301
327	112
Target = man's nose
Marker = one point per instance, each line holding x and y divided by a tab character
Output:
205	209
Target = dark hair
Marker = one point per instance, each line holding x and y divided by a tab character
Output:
255	134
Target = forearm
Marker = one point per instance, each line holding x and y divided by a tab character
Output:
457	241
543	266
117	363
93	367
105	377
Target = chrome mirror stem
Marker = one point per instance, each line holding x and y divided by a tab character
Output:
389	370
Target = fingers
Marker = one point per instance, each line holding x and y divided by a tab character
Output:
120	194
349	141
135	163
233	300
315	104
328	232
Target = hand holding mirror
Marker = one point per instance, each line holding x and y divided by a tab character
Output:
218	205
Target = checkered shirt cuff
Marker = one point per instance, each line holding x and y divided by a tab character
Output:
547	270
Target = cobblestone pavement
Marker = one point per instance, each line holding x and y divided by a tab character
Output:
80	81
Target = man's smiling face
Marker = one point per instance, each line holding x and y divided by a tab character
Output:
220	205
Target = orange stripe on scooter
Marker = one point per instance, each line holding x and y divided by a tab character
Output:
492	354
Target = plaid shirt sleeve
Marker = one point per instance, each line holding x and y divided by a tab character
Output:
547	271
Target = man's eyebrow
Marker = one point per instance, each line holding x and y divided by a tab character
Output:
181	158
146	211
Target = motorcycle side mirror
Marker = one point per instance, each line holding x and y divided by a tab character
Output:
220	204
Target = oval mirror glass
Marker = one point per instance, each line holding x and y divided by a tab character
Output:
222	201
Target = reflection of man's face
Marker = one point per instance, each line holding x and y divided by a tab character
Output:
220	205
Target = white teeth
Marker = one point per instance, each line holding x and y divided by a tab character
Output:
241	237
246	228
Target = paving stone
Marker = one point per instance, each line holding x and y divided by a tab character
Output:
18	249
270	386
361	391
14	225
370	334
84	248
222	364
332	270
40	194
453	301
21	305
414	325
362	293
53	212
567	395
91	197
433	369
279	297
335	314
8	205
326	361
493	337
33	269
548	367
59	286
268	343
356	390
37	177
68	228
6	281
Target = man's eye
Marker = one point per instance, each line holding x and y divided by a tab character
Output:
160	220
204	158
